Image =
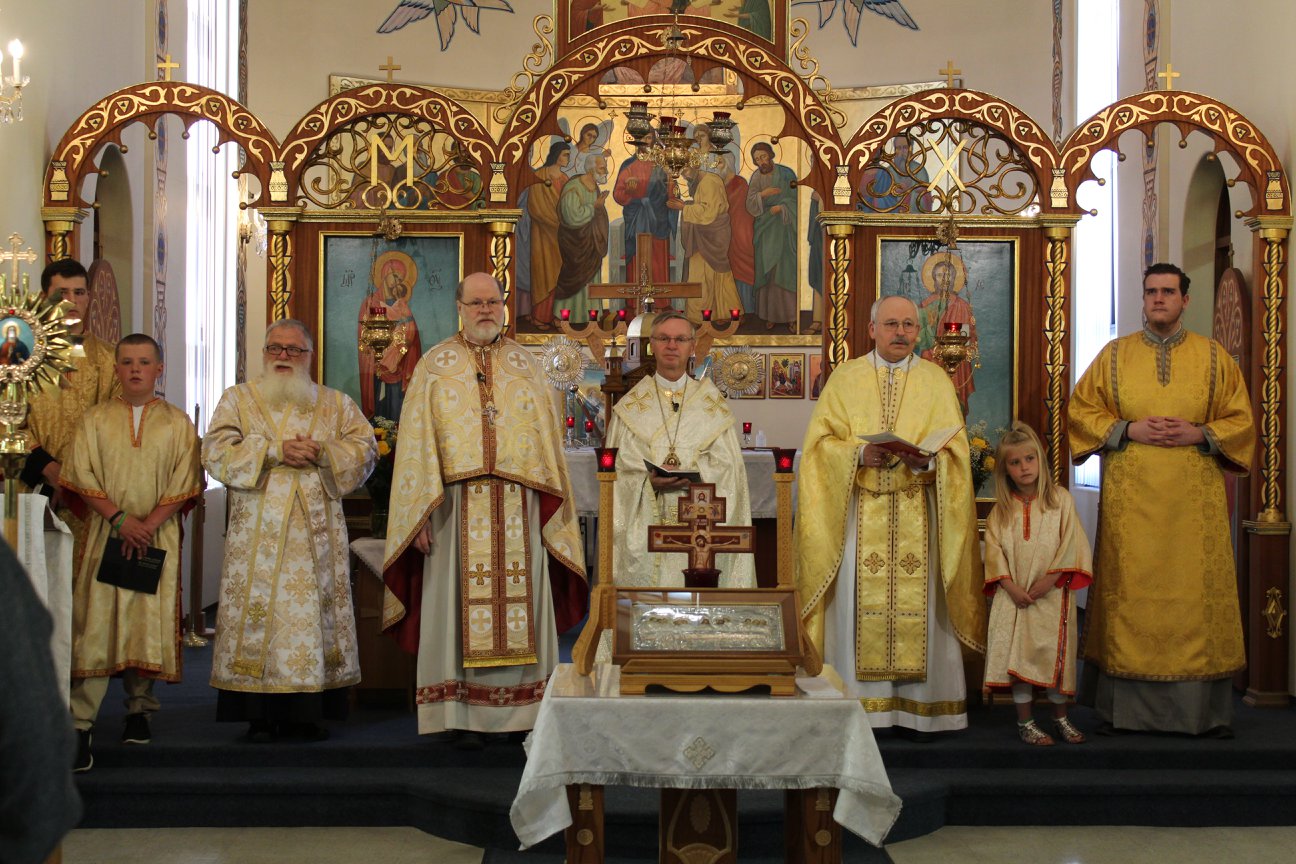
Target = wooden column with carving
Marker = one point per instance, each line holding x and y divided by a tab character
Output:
1268	535
585	835
836	346
501	257
810	834
698	825
60	231
1057	264
280	222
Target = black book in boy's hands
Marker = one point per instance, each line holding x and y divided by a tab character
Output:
139	573
658	471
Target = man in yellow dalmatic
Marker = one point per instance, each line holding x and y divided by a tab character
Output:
55	413
671	418
1169	412
484	565
888	570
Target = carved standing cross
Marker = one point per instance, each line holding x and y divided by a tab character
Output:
166	66
700	509
1169	75
644	289
15	256
389	68
949	72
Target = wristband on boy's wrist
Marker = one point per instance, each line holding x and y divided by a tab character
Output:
119	520
112	520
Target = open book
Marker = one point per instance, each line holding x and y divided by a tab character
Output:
657	470
927	447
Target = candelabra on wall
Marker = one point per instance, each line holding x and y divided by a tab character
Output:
11	86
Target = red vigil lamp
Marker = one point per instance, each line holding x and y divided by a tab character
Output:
593	314
735	314
589	426
607	458
571	422
953	326
784	460
621	314
565	314
746	427
706	314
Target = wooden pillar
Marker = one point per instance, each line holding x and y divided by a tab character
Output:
501	257
1268	534
60	231
836	344
280	222
809	832
698	825
1057	264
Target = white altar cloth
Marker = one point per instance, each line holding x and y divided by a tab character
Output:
587	733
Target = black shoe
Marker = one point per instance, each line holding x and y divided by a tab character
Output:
1111	731
137	730
260	732
469	741
84	760
306	731
915	735
1221	733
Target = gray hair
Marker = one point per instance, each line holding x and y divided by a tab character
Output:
877	304
660	318
294	324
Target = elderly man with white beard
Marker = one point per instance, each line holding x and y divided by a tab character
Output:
288	450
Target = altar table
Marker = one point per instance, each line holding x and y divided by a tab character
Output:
588	736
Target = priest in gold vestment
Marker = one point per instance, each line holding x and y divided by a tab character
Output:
1169	412
288	450
484	565
55	413
134	462
888	568
667	417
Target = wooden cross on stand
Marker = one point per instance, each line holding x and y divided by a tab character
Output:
15	256
643	290
700	535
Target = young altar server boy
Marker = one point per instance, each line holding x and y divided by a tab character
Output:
134	462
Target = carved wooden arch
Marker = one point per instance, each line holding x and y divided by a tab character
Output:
347	107
638	43
1260	166
104	121
974	106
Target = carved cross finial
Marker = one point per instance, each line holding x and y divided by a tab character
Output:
949	72
166	66
1169	75
389	68
15	242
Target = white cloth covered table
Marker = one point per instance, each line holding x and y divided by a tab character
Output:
587	733
583	472
47	558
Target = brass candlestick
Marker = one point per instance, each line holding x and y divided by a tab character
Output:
378	333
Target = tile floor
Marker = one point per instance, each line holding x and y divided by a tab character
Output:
967	845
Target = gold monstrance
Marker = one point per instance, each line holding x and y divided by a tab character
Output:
35	348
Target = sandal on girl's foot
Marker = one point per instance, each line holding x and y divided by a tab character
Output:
1032	734
1067	731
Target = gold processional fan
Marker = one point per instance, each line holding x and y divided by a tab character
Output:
739	372
35	349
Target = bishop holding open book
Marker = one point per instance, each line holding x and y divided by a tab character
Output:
887	566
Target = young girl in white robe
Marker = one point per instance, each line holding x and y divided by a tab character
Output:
1036	557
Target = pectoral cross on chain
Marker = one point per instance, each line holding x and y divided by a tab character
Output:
490	413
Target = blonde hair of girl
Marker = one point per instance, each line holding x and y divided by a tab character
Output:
1020	437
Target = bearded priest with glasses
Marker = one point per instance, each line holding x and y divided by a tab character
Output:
484	565
679	424
288	450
